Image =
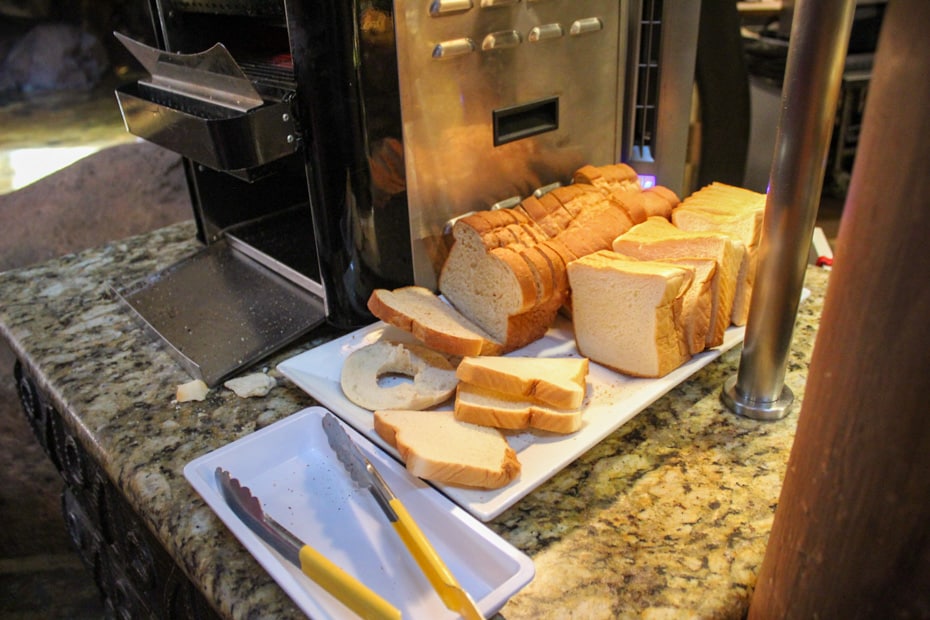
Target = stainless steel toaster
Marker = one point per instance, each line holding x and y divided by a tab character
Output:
328	144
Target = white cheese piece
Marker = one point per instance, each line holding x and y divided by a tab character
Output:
256	384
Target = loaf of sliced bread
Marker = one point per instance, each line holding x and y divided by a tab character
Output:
627	314
514	292
436	324
478	405
609	178
555	381
437	447
506	271
658	239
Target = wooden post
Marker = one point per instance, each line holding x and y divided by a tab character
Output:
851	536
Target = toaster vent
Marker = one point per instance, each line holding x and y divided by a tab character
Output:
645	108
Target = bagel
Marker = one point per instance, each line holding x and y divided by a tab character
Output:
433	376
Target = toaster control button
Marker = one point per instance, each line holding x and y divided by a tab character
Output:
453	47
488	3
501	40
545	32
444	7
585	26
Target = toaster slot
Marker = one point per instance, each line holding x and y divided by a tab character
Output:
271	241
256	8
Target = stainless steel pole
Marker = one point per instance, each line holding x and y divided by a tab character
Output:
816	58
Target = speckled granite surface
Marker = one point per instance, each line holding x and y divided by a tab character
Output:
666	518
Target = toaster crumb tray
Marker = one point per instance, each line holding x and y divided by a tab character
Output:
219	311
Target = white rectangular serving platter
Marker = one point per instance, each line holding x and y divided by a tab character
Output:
297	477
612	400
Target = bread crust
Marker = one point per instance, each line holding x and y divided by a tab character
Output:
656	204
670	197
631	202
542	273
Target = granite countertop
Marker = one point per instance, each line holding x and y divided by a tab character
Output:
667	517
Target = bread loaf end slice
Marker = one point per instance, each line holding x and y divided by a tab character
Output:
488	286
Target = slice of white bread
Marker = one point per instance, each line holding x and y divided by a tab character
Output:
734	211
658	239
433	376
489	286
696	309
698	300
436	324
437	447
485	407
627	313
555	381
747	226
739	227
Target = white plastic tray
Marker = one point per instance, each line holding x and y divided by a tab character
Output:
297	477
611	401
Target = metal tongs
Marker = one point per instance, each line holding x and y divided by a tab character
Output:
453	595
348	590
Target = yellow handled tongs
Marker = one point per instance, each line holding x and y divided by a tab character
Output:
453	595
347	589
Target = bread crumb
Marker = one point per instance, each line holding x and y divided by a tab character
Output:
255	384
192	390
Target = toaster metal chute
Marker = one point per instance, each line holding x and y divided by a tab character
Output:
204	107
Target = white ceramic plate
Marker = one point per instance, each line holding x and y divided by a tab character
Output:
611	401
297	477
